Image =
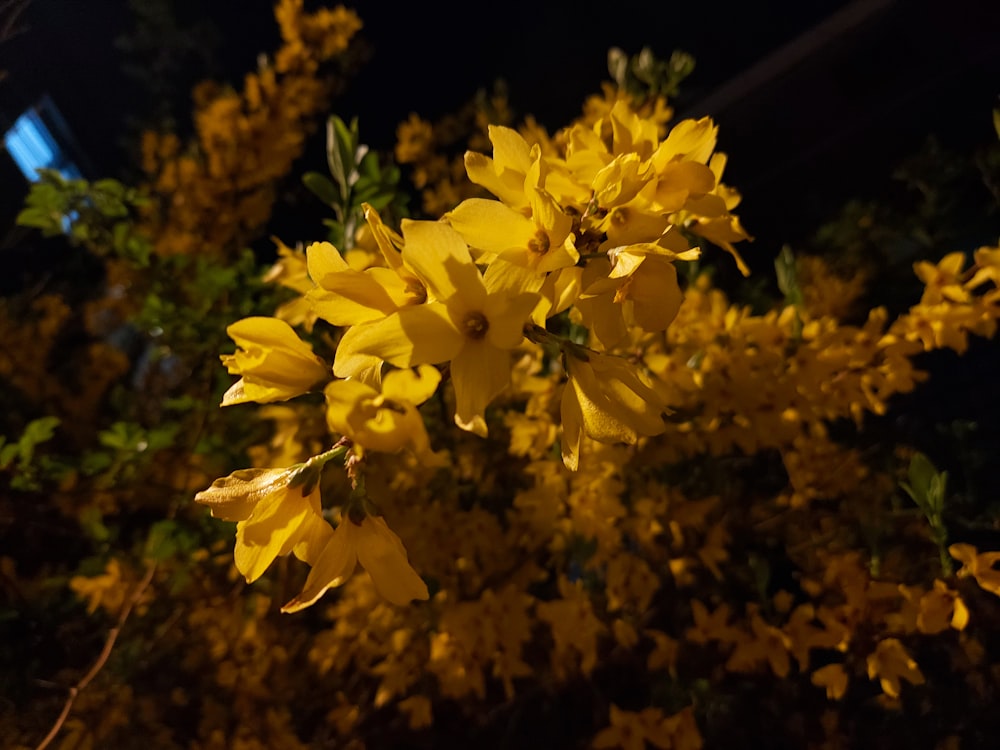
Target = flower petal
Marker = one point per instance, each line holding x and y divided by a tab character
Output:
422	334
440	257
479	372
333	567
383	555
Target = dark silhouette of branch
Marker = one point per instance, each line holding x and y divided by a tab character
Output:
102	659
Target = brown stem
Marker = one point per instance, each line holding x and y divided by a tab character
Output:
102	659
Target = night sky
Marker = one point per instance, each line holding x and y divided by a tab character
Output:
826	121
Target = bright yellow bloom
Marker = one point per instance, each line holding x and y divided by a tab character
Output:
372	543
542	243
276	364
504	174
472	323
272	517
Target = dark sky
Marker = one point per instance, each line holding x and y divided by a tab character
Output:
860	86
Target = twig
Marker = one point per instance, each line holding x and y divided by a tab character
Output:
102	658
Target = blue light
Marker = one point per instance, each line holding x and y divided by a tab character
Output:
32	147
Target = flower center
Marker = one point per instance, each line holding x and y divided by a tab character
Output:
539	244
476	325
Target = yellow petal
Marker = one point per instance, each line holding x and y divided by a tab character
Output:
507	316
350	363
233	498
490	225
510	150
333	567
413	386
440	257
422	334
571	417
382	554
274	527
322	258
314	535
479	372
343	398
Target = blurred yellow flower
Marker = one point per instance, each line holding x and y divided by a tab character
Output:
890	662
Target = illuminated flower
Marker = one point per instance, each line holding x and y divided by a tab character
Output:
606	400
471	323
275	363
273	517
386	421
372	543
542	242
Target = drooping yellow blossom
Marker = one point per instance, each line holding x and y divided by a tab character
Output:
273	517
380	552
276	364
607	400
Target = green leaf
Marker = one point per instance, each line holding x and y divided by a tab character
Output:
7	454
336	133
321	187
161	542
788	283
93	525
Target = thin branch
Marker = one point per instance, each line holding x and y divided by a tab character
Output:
102	659
15	8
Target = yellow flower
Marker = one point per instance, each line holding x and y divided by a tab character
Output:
542	243
833	677
107	590
472	323
372	543
979	565
388	421
889	663
626	731
606	399
273	518
940	609
504	174
276	365
942	281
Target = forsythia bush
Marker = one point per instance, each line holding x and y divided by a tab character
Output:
551	486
